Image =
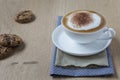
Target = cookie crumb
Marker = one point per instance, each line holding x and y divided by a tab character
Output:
14	63
30	62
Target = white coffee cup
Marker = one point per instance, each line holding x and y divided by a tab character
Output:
88	36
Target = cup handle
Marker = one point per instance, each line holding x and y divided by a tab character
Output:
108	33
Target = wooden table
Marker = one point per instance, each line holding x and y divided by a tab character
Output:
32	62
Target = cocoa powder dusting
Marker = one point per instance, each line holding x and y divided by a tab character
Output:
81	19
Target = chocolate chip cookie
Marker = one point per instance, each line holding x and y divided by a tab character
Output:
10	40
5	52
25	17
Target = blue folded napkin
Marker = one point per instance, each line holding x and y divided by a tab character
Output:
75	72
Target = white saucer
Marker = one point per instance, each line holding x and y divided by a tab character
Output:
66	44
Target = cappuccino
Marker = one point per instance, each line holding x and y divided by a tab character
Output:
83	21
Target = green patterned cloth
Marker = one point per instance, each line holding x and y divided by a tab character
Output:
66	60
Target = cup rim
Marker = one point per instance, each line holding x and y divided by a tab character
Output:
85	31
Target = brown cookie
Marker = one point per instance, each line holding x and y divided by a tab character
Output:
25	16
5	52
10	40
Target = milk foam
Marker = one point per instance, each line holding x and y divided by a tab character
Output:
94	24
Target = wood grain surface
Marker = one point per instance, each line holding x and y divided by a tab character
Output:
32	61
